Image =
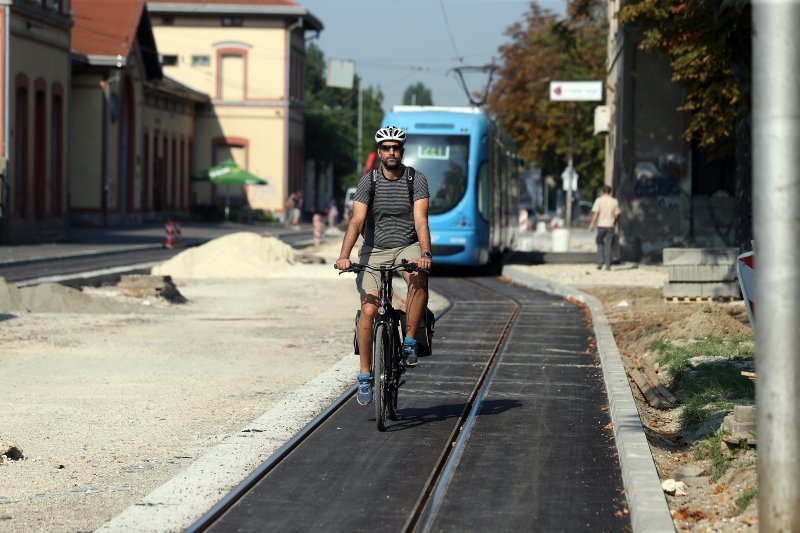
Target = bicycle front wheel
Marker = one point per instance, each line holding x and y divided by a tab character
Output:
381	354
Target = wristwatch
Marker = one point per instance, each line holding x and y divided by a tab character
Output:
427	254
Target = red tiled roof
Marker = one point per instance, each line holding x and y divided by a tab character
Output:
105	27
235	2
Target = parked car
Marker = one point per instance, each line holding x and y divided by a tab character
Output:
349	197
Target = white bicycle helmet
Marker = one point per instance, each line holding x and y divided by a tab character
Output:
390	133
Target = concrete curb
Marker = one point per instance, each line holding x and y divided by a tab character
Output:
646	501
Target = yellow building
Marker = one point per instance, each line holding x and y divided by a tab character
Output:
35	85
248	56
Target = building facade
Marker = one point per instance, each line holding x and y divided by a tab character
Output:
248	56
35	70
670	193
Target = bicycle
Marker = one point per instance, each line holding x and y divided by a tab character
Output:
387	365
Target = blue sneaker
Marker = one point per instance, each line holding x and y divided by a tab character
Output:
410	352
364	393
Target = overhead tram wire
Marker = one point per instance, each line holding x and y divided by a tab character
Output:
450	32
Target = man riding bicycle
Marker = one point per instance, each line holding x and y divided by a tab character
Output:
390	211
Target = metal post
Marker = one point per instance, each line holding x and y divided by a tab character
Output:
776	208
359	162
571	170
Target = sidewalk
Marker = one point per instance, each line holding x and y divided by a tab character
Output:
104	240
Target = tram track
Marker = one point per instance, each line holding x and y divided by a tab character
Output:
440	472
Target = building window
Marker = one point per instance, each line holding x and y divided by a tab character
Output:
232	77
201	61
169	60
167	20
232	21
20	200
57	156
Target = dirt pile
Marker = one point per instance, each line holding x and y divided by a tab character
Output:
709	322
55	298
235	256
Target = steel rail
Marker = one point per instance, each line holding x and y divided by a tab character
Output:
435	487
237	493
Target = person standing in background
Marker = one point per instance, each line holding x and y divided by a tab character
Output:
333	213
605	214
298	205
291	201
316	224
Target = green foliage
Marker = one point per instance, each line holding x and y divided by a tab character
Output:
708	46
675	356
417	94
543	49
710	449
709	386
744	500
331	119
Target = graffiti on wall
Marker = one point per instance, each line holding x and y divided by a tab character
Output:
658	179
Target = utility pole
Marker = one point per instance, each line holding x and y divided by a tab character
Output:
776	203
359	138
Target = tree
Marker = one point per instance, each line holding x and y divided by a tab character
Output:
708	43
544	48
331	120
417	94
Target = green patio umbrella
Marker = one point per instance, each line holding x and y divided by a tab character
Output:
228	173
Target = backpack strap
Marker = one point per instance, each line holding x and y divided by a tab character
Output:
372	186
411	174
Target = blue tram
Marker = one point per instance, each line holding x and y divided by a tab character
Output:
472	178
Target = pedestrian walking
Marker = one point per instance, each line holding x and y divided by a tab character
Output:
605	214
296	210
291	202
333	213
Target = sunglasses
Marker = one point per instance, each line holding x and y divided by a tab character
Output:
389	148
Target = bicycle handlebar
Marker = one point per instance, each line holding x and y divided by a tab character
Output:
405	265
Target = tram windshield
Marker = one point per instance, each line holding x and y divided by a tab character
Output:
443	160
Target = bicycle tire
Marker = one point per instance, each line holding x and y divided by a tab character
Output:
380	371
392	363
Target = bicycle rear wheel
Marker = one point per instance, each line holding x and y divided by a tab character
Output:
381	355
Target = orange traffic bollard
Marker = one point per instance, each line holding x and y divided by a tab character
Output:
169	238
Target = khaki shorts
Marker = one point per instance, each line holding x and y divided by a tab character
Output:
368	280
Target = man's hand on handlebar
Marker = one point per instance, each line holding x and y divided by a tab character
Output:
424	263
342	264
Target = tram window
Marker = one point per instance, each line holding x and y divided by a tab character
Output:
483	191
444	161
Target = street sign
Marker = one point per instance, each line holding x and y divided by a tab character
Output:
341	74
745	269
569	179
576	91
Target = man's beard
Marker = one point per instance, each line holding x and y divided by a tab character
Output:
391	166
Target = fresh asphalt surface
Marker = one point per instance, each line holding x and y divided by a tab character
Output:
540	455
537	435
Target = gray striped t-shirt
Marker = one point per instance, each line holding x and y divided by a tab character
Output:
390	220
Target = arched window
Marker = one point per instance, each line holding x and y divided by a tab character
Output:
232	73
57	151
40	181
19	200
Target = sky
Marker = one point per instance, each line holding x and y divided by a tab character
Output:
397	43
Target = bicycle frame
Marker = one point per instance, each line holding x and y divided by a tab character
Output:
386	367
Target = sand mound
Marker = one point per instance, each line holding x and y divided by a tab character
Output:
235	256
704	323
